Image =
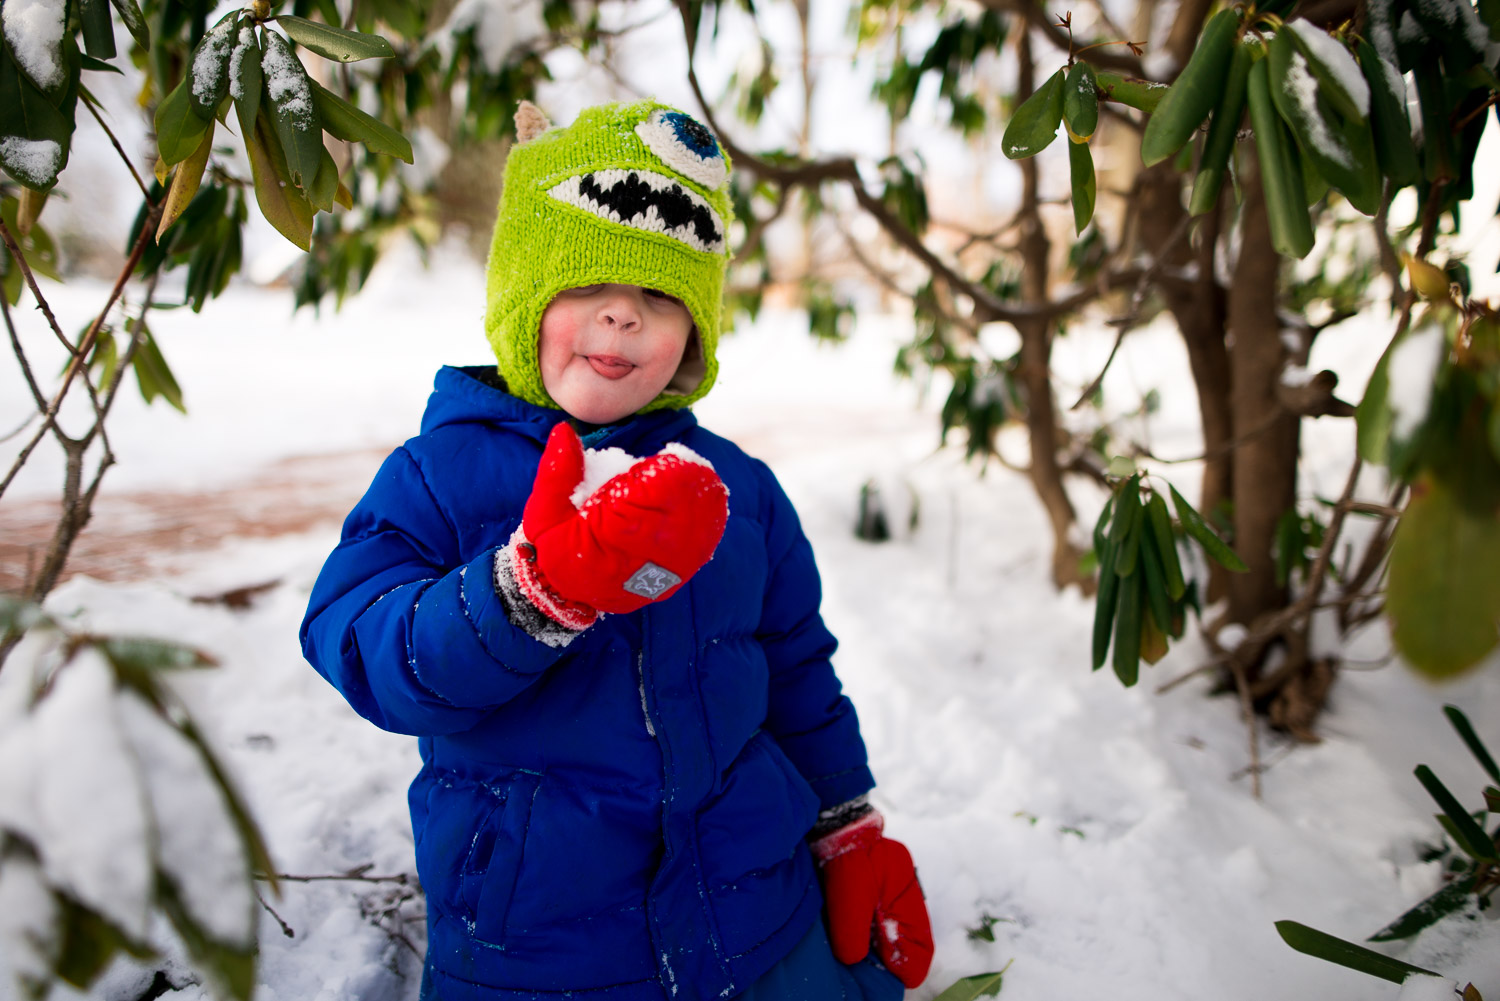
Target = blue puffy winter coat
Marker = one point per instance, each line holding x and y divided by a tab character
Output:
623	818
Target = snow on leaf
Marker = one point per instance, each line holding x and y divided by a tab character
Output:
211	60
286	81
243	44
1302	87
34	31
34	161
68	783
198	845
1337	60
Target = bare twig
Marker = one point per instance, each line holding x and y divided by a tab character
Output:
353	876
15	343
49	416
41	300
286	929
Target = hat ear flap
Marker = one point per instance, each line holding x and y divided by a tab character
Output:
531	122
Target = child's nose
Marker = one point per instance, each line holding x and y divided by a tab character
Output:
618	310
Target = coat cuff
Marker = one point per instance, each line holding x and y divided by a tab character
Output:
530	603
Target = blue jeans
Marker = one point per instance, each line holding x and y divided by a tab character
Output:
808	973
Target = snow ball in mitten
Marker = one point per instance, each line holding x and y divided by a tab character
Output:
604	464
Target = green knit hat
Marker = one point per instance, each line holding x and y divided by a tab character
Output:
634	194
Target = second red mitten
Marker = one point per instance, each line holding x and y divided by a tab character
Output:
872	896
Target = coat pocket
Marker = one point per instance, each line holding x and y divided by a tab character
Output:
470	847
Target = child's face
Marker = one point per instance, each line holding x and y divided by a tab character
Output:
608	350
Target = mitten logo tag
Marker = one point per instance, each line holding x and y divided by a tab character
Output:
651	581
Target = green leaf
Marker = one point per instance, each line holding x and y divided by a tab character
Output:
1105	602
1192	95
36	132
179	129
1166	544
1158	602
344	121
1081	102
298	126
99	65
1373	416
98	30
230	969
1127	655
1195	526
250	836
153	376
135	22
1102	523
1142	95
1451	899
1471	740
1126	530
146	655
244	67
1331	65
1034	125
1081	171
981	985
1280	168
89	945
207	73
1341	148
1322	945
334	43
284	207
1465	830
1389	119
1443	597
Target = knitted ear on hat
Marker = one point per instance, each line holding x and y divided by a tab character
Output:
634	194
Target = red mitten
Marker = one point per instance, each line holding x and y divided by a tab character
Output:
634	540
872	895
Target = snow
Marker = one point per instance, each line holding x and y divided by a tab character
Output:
1302	86
1110	834
34	31
68	784
36	161
211	59
197	843
1413	363
1333	57
604	464
599	467
1420	987
286	80
243	45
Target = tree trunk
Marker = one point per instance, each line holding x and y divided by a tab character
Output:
1197	303
1265	454
1036	361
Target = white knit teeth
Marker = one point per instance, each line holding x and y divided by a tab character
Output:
620	200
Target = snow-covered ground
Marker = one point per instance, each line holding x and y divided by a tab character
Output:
1108	838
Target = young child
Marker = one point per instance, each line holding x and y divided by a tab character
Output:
637	762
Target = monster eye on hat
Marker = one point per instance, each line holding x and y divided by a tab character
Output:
635	194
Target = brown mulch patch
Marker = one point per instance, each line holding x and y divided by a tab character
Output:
135	535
